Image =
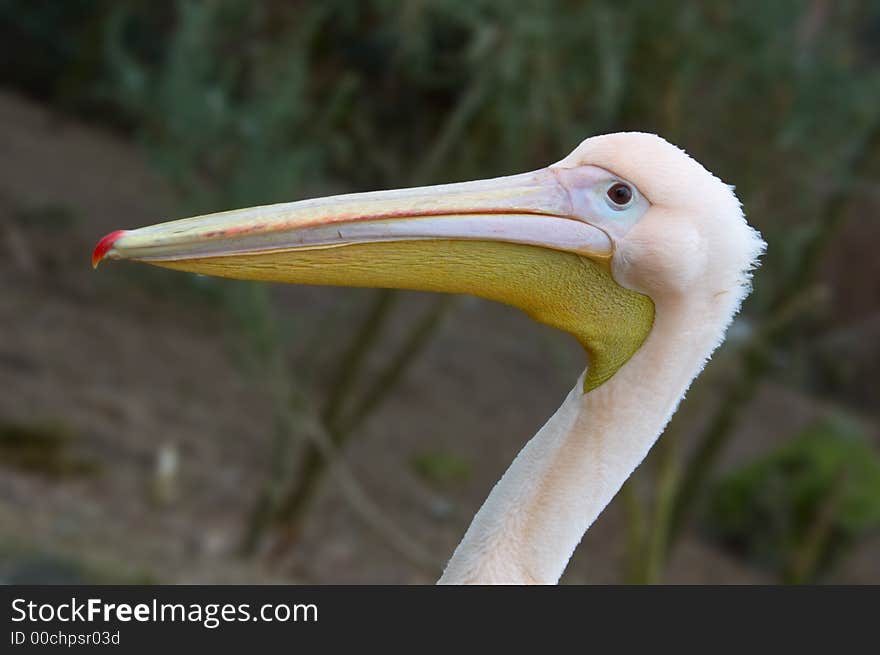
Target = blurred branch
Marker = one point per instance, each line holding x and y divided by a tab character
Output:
417	339
270	495
647	538
365	338
664	505
291	512
311	467
807	556
294	423
635	531
355	495
450	134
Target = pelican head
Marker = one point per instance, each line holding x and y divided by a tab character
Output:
688	238
588	245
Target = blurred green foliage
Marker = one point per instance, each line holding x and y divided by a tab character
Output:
441	467
23	562
366	92
801	507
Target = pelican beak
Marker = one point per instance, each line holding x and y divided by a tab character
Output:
512	239
532	208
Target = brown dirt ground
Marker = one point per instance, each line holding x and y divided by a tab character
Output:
126	369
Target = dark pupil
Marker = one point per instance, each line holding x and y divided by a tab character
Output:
620	194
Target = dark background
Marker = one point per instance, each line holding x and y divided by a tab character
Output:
160	427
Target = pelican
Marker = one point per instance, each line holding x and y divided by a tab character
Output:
628	244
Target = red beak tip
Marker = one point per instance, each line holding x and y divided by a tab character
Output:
104	245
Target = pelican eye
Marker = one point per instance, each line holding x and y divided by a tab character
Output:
620	195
